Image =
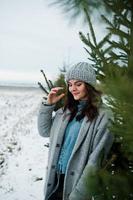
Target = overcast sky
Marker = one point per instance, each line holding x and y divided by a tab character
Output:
34	36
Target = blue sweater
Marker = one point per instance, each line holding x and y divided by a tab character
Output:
70	138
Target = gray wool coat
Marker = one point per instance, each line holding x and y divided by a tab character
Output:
94	140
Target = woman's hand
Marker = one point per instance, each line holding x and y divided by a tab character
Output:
53	97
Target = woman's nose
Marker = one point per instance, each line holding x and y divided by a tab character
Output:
73	88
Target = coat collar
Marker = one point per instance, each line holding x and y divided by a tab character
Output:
82	133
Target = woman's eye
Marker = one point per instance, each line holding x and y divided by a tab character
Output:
78	84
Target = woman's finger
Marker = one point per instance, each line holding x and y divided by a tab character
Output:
61	96
56	88
53	92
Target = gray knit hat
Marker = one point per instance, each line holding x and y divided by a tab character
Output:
82	71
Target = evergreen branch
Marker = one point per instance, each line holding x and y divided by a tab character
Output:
122	40
91	27
88	51
118	32
92	57
84	39
118	6
88	36
92	60
97	53
87	42
111	60
101	56
93	48
116	56
107	21
119	46
107	50
103	41
125	22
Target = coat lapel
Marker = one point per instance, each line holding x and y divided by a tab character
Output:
82	133
63	125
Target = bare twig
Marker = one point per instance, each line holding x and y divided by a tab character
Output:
48	84
41	86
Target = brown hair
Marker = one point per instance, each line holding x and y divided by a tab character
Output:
91	108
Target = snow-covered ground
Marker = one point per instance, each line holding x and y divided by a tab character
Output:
23	156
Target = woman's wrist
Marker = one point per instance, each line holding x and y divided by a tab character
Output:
46	102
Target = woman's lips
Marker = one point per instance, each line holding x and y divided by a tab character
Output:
75	93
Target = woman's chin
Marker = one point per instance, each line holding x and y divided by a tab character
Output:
76	98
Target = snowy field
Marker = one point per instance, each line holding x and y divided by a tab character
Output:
23	156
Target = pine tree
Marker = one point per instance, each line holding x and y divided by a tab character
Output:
112	58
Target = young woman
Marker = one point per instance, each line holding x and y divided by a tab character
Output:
79	135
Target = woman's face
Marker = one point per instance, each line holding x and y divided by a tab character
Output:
78	89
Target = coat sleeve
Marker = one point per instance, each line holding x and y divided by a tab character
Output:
45	119
88	184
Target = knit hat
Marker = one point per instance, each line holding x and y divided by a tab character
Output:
82	71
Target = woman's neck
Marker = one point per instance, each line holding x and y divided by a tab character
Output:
81	104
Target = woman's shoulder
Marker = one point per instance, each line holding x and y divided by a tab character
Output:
106	112
59	111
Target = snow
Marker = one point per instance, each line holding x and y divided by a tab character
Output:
23	156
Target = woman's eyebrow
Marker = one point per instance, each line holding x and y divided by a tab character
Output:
78	82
